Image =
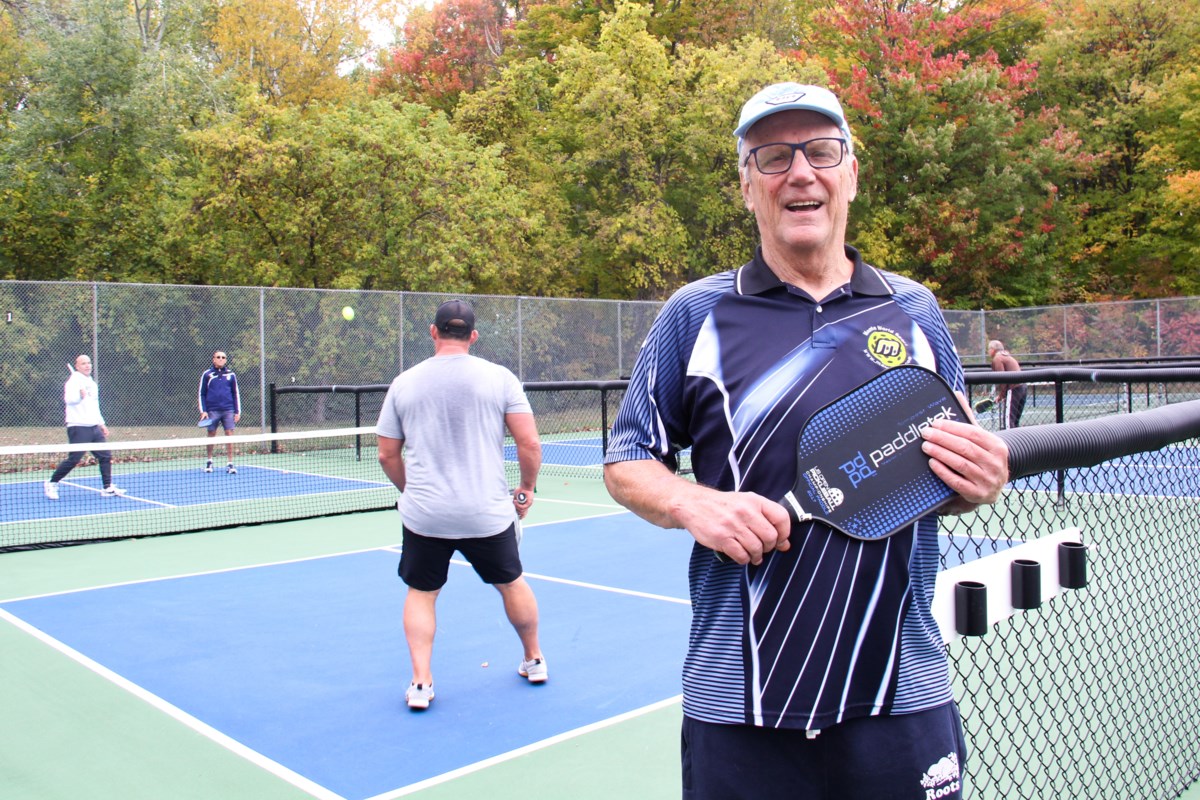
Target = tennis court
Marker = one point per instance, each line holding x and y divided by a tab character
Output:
269	661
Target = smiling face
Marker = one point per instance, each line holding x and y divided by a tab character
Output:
801	213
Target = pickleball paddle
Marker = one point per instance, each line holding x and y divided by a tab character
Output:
518	527
859	464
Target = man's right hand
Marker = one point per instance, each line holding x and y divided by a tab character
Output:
743	526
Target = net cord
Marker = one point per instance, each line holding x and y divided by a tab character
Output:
192	442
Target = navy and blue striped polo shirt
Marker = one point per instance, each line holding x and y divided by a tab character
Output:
833	628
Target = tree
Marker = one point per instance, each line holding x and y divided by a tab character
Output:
90	145
359	195
292	51
450	49
1103	62
1173	154
628	147
13	80
959	186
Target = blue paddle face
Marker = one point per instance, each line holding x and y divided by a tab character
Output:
860	467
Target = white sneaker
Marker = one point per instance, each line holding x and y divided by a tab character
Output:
208	467
231	469
51	490
418	696
113	491
534	669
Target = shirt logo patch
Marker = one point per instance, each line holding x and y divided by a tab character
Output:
886	348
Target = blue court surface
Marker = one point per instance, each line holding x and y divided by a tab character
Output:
79	493
581	452
1126	476
305	662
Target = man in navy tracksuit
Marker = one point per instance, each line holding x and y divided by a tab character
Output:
220	404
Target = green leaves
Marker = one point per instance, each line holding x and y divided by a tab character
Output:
355	196
1010	154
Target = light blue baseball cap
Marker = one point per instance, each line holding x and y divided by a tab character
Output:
792	97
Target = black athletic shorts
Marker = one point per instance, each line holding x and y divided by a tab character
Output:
904	757
425	560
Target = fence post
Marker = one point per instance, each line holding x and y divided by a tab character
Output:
620	341
603	422
357	424
274	426
1158	328
983	336
262	364
1059	416
95	323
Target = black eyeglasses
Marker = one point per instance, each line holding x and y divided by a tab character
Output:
221	357
774	158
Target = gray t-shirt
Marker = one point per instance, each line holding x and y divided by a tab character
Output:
449	410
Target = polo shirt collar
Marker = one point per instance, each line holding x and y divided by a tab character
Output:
756	277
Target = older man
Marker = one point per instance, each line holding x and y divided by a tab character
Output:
85	425
815	668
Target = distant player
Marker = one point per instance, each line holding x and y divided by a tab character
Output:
221	404
85	425
441	442
1011	396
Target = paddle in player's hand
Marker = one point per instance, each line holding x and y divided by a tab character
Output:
860	468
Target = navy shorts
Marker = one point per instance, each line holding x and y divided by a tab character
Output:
904	757
425	560
222	418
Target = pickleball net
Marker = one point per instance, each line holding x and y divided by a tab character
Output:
167	490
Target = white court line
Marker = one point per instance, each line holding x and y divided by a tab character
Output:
178	576
370	486
176	713
391	548
316	475
278	769
73	517
600	587
574	443
545	464
230	500
579	503
527	749
98	491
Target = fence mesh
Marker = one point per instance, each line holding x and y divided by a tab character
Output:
149	343
1094	695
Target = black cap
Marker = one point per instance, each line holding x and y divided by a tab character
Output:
456	316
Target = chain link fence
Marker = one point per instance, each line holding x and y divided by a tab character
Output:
149	344
1094	695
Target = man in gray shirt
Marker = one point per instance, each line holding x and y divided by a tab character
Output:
441	442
